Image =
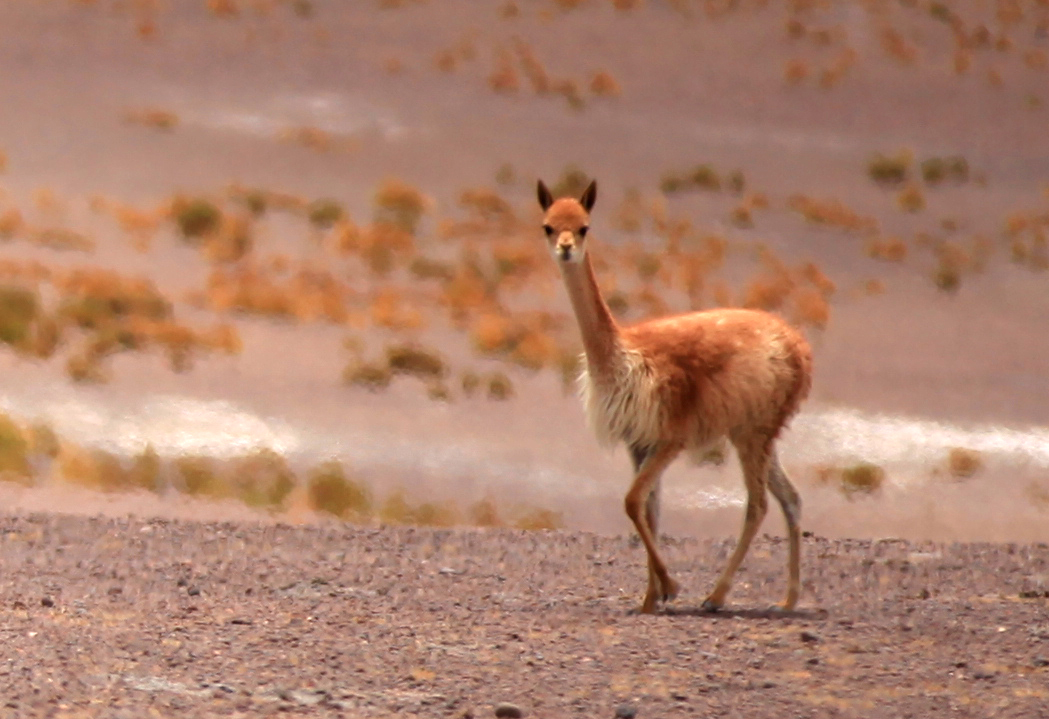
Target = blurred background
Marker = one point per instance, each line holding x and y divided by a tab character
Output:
280	259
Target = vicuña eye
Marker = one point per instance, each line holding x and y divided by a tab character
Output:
548	230
583	230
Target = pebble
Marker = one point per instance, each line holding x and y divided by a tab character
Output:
1041	662
626	711
809	637
47	602
506	710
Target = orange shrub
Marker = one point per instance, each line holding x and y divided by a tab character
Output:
604	84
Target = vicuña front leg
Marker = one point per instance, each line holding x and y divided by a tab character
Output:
642	510
656	587
754	457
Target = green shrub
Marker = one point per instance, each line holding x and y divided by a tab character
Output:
19	309
14	451
325	213
196	217
417	361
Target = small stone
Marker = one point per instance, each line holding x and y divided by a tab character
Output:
193	591
626	711
506	710
1041	662
678	696
813	661
47	602
809	637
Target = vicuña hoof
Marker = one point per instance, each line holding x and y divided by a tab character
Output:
670	590
709	605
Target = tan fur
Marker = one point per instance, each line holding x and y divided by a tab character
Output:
684	383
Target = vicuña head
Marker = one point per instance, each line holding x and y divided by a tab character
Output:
684	383
567	221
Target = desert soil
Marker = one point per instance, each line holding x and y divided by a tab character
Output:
124	617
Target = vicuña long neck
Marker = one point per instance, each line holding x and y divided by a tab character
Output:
596	324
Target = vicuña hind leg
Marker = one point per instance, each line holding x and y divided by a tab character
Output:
787	496
642	509
754	458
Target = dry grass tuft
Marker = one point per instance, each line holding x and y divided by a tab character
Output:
153	117
390	309
830	212
373	377
771	288
330	490
504	78
861	479
317	139
14	452
145	471
469	383
538	518
631	212
20	312
92	468
898	47
397	510
911	198
604	84
538	77
964	463
499	387
11	223
572	182
701	177
889	249
936	170
811	308
953	260
484	513
262	479
199	477
400	204
795	71
325	213
416	361
195	216
890	170
224	8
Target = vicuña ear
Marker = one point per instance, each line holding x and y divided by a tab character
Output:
589	196
545	198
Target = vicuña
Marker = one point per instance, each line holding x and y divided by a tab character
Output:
684	383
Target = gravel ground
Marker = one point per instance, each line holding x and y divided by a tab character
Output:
132	617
